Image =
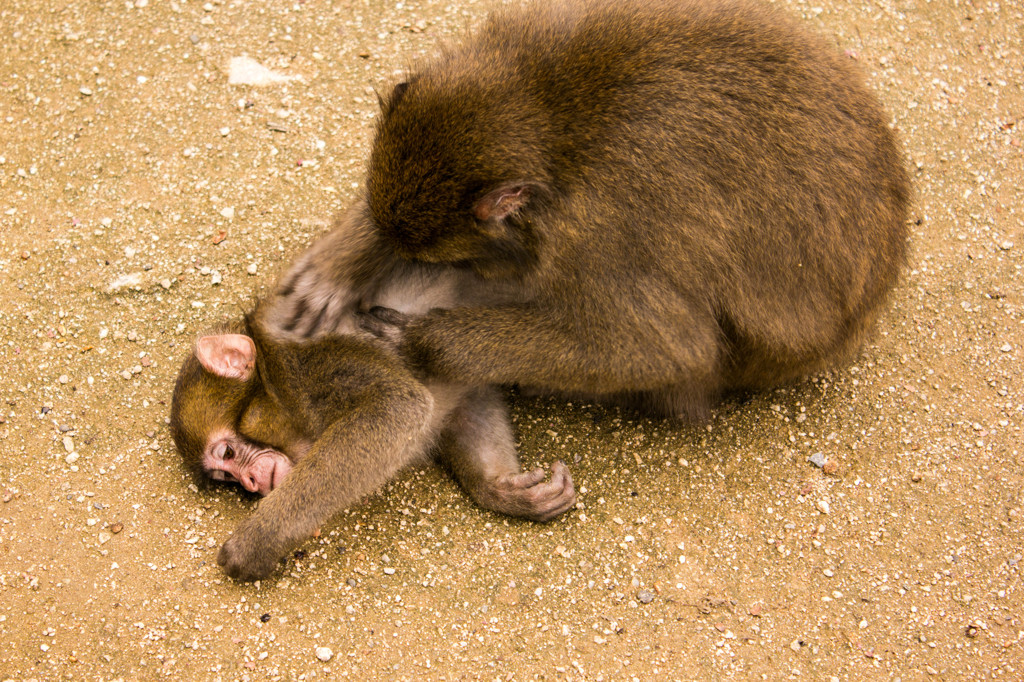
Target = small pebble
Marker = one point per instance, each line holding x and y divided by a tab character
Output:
823	506
251	268
69	445
324	653
228	212
818	459
85	91
1006	348
194	38
225	131
64	379
216	278
645	596
72	458
1006	246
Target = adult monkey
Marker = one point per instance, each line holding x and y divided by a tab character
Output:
671	198
644	201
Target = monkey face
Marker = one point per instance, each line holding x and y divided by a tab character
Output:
233	458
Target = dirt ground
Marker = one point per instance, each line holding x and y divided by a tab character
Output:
144	197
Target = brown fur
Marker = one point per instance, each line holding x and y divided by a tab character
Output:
348	414
713	199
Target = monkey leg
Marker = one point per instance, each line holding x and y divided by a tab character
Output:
478	447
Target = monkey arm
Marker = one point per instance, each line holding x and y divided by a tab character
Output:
374	437
534	347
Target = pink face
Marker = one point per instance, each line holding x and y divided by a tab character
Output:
258	469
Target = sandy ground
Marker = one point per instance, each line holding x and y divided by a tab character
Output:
143	197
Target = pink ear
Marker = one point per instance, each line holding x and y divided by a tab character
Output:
502	202
231	356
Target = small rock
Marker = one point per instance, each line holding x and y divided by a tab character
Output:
823	506
125	282
116	528
69	445
63	428
389	571
818	459
645	596
1006	246
324	653
248	71
915	477
228	212
85	92
795	645
64	379
830	468
225	131
72	458
1006	348
251	268
194	38
104	537
216	278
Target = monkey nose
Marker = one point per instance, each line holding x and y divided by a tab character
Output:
249	483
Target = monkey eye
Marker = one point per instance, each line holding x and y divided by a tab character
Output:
229	454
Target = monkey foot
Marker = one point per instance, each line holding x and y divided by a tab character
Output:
529	496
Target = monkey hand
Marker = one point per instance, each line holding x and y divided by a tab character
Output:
528	495
252	552
304	307
386	324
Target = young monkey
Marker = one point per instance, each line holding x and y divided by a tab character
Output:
315	425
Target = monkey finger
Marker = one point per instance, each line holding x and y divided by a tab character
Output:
528	479
389	316
310	316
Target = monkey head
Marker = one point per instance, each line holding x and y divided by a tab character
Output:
219	418
457	177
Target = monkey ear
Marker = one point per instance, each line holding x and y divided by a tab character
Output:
232	356
503	201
